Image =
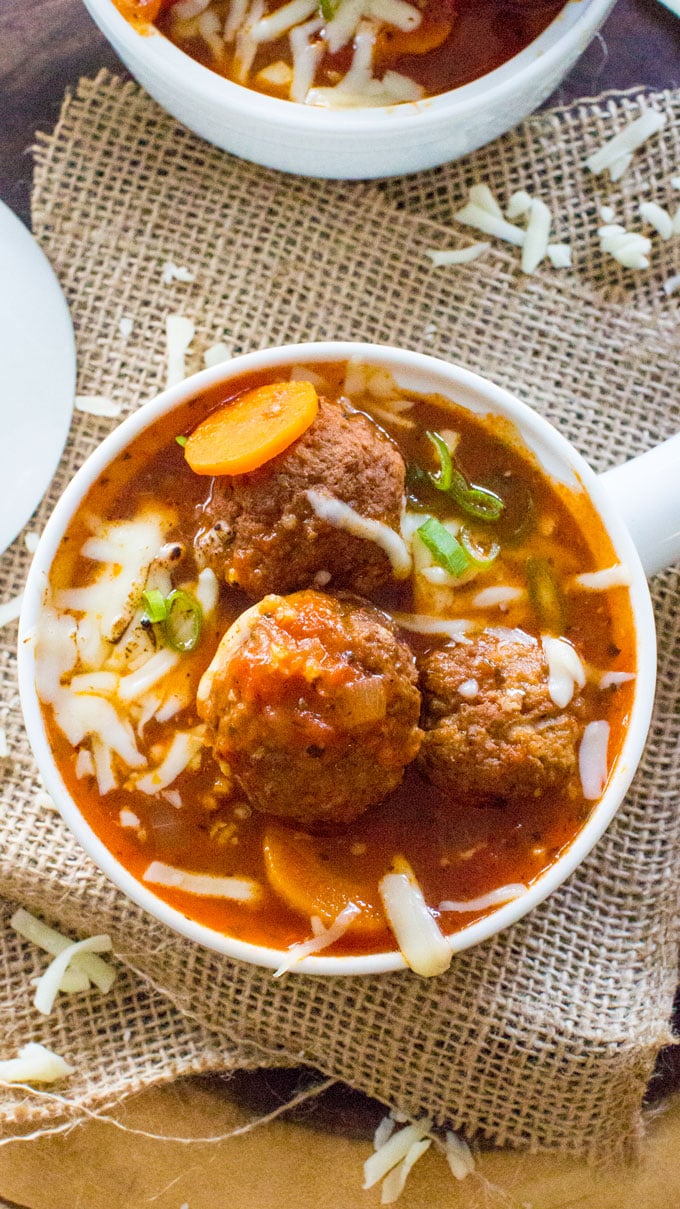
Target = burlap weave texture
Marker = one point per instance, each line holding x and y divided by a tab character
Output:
546	1035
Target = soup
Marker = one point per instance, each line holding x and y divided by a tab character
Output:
315	648
344	54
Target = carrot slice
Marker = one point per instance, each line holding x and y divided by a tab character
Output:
254	428
301	878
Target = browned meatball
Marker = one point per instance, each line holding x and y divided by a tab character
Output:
492	731
312	707
259	530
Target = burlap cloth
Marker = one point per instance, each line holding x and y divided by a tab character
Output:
545	1036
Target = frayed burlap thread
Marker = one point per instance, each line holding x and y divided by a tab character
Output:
544	1037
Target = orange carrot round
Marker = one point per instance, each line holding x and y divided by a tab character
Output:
254	428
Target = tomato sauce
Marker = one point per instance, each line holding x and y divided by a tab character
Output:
457	850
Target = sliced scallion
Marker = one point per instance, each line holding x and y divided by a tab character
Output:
546	595
181	441
183	622
478	502
328	9
155	605
479	556
444	547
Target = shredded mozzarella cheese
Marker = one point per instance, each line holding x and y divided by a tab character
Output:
618	576
48	984
10	609
657	217
322	939
592	759
342	516
457	255
393	1151
495	898
626	141
422	945
565	670
97	405
205	885
35	1064
179	332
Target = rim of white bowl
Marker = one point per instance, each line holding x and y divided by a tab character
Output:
534	61
447	378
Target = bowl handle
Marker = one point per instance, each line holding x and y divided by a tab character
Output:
646	493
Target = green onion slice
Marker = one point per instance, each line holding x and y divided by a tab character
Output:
181	441
546	595
444	547
183	622
155	605
478	502
328	8
479	556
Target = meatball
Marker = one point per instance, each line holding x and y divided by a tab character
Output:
492	732
312	705
260	531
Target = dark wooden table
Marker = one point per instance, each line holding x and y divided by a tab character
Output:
47	45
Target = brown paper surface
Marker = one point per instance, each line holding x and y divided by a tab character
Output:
542	1037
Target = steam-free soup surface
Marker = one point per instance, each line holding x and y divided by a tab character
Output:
337	54
460	847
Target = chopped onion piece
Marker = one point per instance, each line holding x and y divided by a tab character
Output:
592	759
48	985
618	576
128	818
424	948
457	255
565	670
342	516
458	1155
205	885
503	894
395	1180
320	940
393	1151
35	1064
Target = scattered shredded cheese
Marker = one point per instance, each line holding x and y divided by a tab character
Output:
4	748
322	939
97	405
395	1180
489	224
592	759
48	984
35	1064
457	255
607	214
420	624
458	1156
342	516
481	195
175	272
502	894
393	1151
559	255
179	332
618	576
424	948
657	217
671	284
628	247
565	670
613	679
205	885
185	745
626	141
497	596
519	204
31	540
50	941
535	244
216	354
125	326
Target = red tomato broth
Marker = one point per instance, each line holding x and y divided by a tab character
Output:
457	851
458	41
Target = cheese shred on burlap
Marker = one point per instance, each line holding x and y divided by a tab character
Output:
545	1036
